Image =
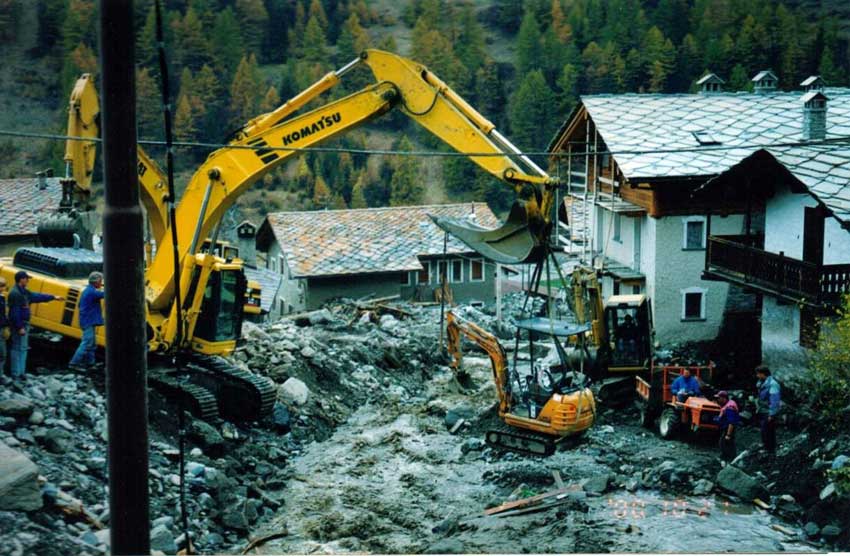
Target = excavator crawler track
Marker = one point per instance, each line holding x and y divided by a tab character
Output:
509	438
198	400
241	395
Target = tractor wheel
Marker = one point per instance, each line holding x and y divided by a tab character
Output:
668	423
646	416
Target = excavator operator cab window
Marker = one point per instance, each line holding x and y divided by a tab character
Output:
629	329
222	308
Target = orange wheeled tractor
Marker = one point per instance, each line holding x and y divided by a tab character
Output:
655	400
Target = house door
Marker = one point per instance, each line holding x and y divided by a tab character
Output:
813	236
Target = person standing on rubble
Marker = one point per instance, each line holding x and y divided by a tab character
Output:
19	301
4	325
767	407
90	318
728	420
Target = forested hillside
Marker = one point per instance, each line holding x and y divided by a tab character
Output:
522	64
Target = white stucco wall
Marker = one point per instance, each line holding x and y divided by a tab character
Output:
291	291
783	222
836	243
623	250
677	270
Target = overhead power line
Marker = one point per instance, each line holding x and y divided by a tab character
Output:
842	141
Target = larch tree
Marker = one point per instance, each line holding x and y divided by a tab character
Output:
185	128
528	44
254	18
193	47
738	79
244	91
405	185
271	100
358	195
321	193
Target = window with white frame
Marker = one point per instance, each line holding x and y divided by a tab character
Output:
617	224
693	232
693	303
457	271
476	270
442	272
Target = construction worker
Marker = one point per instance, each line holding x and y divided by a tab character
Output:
685	386
768	405
627	333
90	318
4	325
728	419
19	301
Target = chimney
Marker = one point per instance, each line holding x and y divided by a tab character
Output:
246	240
814	116
813	83
765	82
710	83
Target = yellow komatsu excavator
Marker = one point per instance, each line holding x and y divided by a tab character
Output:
541	406
214	288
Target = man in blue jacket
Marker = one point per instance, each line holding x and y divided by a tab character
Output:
767	407
685	385
90	318
19	302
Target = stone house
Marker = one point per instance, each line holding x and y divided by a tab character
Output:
321	255
799	266
23	203
633	164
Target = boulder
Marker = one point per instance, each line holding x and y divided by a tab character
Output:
207	437
840	461
18	481
36	418
322	316
735	481
251	331
16	408
597	484
163	540
830	532
294	391
827	491
703	487
811	529
281	418
57	440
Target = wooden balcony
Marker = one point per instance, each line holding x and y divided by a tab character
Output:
740	260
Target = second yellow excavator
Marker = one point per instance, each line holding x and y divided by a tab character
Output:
541	403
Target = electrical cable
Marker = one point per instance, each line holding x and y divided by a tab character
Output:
169	151
840	142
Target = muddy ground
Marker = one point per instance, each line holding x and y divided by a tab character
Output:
360	458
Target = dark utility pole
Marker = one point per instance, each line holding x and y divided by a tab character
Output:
123	257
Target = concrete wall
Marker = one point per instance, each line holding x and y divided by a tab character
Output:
292	293
676	271
322	289
780	338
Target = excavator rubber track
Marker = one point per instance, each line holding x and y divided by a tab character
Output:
515	440
199	401
241	395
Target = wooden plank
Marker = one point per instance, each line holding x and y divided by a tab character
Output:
535	508
457	425
528	501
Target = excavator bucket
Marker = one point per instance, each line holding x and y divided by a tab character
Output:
513	243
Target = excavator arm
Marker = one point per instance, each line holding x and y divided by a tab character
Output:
455	328
277	136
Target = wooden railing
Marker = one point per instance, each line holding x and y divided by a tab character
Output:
738	259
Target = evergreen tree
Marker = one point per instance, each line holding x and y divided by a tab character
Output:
80	25
739	80
146	51
567	89
433	49
51	15
244	91
490	92
358	197
633	75
353	40
528	45
689	63
9	14
318	11
304	179
295	34
185	128
672	17
405	185
599	69
560	26
253	18
338	202
210	95
829	70
532	125
659	57
148	107
469	43
227	48
752	45
315	48
192	45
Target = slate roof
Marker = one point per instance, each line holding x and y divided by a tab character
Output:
358	241
22	204
824	170
269	281
665	122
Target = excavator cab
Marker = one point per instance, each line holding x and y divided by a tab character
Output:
219	323
628	322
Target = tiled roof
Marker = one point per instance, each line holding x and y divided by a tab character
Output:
664	122
22	204
356	241
269	281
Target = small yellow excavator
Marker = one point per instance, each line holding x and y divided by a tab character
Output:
540	404
211	311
